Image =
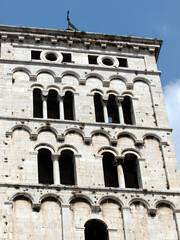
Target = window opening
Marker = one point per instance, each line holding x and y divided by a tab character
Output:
68	106
35	55
66	163
107	61
37	104
127	108
98	108
122	62
66	57
110	170
112	108
130	171
45	167
51	57
92	59
53	104
96	230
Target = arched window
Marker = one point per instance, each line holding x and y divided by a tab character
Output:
53	105
112	108
45	167
130	171
96	230
66	163
68	106
127	110
110	170
98	108
37	103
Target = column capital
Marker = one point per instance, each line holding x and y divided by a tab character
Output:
44	93
119	160
119	99
54	157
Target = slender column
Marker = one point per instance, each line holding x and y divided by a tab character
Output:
44	99
128	234
120	110
76	168
61	108
177	221
66	222
105	111
120	172
56	170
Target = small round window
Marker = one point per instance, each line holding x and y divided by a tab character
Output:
51	57
107	61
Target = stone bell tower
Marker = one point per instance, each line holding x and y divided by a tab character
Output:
85	144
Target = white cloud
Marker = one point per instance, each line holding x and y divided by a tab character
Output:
172	98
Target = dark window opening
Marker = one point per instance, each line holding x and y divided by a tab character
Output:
122	62
98	108
107	61
45	167
68	106
110	170
127	108
130	171
51	57
92	59
35	55
96	230
53	105
66	57
66	163
37	104
112	108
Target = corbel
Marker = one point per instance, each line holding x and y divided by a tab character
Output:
103	45
139	142
152	211
113	141
21	38
33	136
82	81
135	48
87	139
60	137
105	83
129	86
151	49
33	78
37	39
53	40
119	46
87	44
4	37
57	79
9	134
36	206
70	42
96	209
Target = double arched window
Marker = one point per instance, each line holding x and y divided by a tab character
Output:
56	169
53	105
113	110
121	173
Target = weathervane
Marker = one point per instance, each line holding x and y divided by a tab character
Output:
70	25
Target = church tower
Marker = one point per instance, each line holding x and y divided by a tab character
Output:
85	145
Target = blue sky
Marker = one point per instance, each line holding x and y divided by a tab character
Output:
154	19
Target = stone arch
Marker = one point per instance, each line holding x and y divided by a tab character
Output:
111	197
101	131
72	73
127	93
45	145
21	127
79	196
152	135
108	149
68	88
76	130
118	82
47	128
22	69
67	147
131	151
126	139
111	91
51	195
141	200
97	90
52	73
53	87
96	75
167	202
142	79
37	85
23	195
20	76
